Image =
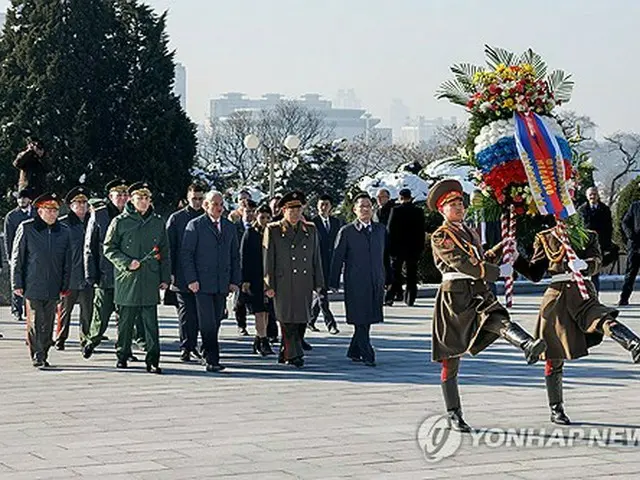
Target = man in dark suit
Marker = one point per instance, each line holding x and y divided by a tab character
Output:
406	243
11	223
210	260
327	228
187	313
385	204
247	212
597	217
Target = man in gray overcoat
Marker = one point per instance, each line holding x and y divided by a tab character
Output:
360	248
210	258
292	271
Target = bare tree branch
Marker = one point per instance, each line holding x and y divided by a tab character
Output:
628	145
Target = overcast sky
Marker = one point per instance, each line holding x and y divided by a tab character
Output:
387	49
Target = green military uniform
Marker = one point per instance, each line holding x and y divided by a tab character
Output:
133	236
467	315
568	323
293	270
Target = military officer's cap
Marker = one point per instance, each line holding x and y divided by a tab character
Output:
443	192
292	200
24	193
264	209
140	188
118	185
47	200
77	194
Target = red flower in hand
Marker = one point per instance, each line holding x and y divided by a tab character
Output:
156	249
157	256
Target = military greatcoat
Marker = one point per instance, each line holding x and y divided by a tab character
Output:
463	306
292	268
566	321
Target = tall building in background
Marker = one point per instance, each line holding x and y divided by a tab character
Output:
424	129
398	117
346	122
347	99
180	85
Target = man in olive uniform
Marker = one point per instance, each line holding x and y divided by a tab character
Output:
99	271
40	272
137	245
467	317
567	322
292	270
12	221
79	290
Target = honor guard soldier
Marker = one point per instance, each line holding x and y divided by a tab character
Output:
467	317
567	322
137	245
292	272
80	291
40	272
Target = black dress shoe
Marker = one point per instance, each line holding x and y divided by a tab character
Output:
388	303
456	422
121	364
370	363
87	351
38	363
296	362
355	359
214	368
313	328
558	416
306	347
132	358
623	303
333	330
243	332
154	369
185	356
60	346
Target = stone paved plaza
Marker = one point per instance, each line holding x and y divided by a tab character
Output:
333	419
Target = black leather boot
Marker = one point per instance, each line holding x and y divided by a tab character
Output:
627	339
256	344
531	347
452	404
554	394
265	347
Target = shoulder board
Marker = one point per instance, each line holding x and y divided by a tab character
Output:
273	224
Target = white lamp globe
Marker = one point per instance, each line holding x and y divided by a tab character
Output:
292	142
251	141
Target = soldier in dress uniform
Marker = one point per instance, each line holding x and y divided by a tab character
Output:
568	323
40	272
467	317
292	271
138	247
99	270
80	291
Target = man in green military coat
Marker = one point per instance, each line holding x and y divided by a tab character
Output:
292	271
137	245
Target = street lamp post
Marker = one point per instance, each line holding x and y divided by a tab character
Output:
291	143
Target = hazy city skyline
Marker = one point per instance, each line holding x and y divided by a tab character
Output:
401	49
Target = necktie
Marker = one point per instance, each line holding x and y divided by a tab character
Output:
327	225
216	228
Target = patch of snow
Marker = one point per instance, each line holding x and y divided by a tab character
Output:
394	182
442	169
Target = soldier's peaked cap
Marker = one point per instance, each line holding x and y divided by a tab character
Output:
47	200
117	185
77	194
292	199
140	188
443	192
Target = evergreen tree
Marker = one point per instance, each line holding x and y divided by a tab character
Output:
92	79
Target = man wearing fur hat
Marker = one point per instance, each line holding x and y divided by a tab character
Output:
467	317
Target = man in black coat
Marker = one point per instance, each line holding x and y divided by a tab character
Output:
384	206
11	223
597	217
631	228
210	258
40	272
80	291
406	244
187	311
327	227
247	212
32	166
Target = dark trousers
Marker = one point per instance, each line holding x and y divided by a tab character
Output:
210	310
188	320
321	303
146	318
85	299
103	307
17	306
411	265
240	309
360	347
41	315
596	282
272	324
630	274
291	343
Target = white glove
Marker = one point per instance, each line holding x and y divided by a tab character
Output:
577	265
506	270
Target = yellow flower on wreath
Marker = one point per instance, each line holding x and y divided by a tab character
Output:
509	103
